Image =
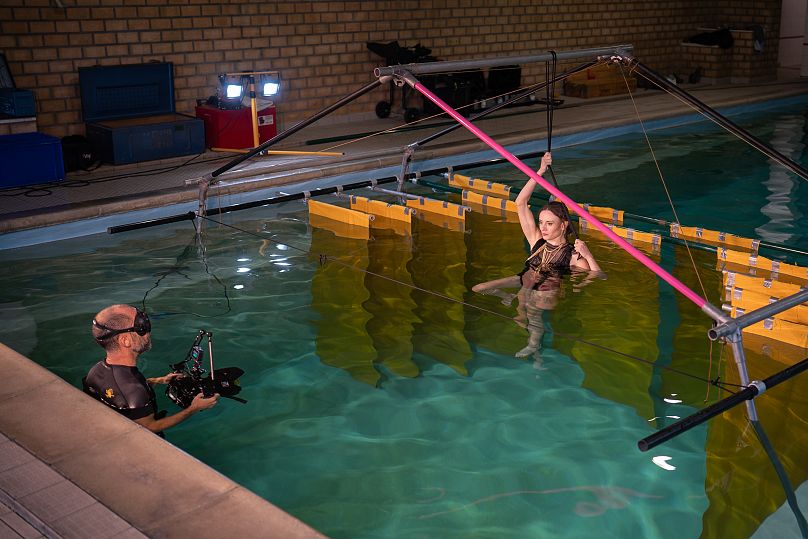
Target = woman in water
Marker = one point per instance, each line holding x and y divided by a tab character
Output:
551	256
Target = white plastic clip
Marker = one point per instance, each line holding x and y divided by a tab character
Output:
759	385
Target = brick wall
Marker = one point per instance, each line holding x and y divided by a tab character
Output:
319	46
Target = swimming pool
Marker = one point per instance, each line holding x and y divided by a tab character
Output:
380	409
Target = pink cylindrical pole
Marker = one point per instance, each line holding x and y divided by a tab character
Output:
650	264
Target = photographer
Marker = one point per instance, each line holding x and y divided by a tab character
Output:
125	333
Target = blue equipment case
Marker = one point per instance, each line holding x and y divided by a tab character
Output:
30	159
130	116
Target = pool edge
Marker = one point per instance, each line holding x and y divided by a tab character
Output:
170	494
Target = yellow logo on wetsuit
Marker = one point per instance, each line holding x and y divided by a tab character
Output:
109	393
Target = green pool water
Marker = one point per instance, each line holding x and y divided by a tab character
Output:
385	398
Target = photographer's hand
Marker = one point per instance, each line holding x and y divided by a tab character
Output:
163	379
201	402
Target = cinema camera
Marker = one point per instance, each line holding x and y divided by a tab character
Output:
194	380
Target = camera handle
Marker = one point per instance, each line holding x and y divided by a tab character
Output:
210	354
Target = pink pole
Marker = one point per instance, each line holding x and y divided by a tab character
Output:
650	264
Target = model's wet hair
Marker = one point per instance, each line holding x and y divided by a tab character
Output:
559	210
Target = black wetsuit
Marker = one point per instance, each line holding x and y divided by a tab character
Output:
121	388
548	277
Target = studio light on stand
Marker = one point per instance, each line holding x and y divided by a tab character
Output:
231	91
270	83
232	87
256	85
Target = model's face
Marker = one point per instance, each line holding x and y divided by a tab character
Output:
551	227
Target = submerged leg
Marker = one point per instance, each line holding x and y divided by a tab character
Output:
494	288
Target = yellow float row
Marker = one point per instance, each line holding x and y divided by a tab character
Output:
481	186
749	300
633	236
746	293
713	237
381	209
365	213
775	267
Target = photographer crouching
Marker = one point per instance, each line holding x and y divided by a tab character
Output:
124	332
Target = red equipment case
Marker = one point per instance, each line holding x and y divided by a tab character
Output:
232	129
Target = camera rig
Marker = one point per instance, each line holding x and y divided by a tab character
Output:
195	379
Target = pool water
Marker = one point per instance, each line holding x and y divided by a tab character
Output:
385	398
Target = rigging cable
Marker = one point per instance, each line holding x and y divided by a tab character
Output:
661	176
670	202
179	266
761	434
550	92
323	258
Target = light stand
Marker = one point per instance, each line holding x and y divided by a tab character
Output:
266	84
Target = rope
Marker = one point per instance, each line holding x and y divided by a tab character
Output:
550	93
324	258
179	266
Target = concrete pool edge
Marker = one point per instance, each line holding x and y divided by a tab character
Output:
154	486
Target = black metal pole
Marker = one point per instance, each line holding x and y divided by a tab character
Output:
683	425
297	127
245	206
189	216
724	122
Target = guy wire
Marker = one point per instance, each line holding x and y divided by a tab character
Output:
327	258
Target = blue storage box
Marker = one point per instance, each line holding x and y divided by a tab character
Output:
130	116
29	159
16	102
133	140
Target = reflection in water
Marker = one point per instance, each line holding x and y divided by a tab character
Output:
608	498
780	207
338	293
742	485
493	253
438	264
632	331
378	304
390	304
